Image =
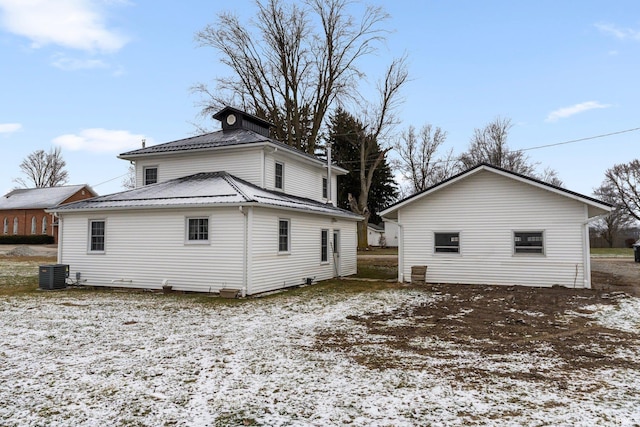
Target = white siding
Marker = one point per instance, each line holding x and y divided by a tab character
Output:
301	178
391	233
144	248
243	163
271	270
486	209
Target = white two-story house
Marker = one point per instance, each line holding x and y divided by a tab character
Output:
232	209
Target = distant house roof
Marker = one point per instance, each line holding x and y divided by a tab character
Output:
375	227
39	198
202	190
247	130
596	207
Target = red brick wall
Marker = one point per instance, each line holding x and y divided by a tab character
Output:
25	216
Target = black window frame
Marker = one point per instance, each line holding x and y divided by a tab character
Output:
97	235
528	242
446	242
145	177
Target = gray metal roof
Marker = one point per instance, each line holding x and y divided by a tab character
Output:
209	189
208	140
39	198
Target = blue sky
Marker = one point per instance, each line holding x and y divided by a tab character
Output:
95	77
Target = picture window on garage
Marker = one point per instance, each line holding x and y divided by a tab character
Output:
447	242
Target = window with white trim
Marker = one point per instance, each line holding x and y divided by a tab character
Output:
5	226
44	225
528	242
447	242
97	230
34	225
283	235
15	225
150	175
279	176
324	246
198	230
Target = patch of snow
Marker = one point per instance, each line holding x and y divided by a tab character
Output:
147	359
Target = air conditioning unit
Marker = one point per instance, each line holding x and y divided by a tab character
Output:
53	276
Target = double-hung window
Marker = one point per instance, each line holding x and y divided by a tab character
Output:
528	242
324	188
197	230
447	242
150	175
324	246
279	176
97	229
284	241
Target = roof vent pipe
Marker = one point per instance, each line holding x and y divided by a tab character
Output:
144	143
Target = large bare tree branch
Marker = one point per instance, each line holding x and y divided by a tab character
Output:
292	64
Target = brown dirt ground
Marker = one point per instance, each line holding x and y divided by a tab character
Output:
497	321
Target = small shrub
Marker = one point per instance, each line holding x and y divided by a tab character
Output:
41	239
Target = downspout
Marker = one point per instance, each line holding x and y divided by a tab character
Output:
244	251
59	237
329	173
400	249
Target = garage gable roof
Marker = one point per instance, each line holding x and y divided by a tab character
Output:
596	207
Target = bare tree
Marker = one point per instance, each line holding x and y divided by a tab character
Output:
43	169
300	59
381	119
618	219
625	181
129	181
489	145
550	176
418	160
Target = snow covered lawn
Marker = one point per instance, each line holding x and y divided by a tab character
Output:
84	358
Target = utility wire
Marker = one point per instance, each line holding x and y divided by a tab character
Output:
588	138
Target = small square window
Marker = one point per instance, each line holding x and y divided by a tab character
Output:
447	242
528	242
97	230
198	229
279	177
283	235
150	175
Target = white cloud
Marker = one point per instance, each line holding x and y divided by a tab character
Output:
67	63
563	113
619	33
101	140
75	24
10	127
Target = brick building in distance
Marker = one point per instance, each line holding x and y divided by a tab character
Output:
22	211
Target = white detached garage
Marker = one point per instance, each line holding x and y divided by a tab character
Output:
492	226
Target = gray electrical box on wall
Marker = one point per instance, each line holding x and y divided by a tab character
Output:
53	276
